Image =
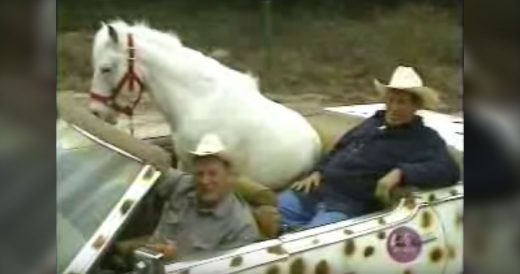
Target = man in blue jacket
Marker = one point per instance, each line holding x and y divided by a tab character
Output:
390	149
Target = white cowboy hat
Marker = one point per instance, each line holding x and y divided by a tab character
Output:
210	144
406	79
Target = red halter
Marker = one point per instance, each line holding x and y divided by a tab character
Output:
131	77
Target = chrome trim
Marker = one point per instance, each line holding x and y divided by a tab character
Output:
336	228
339	225
178	266
91	251
370	217
455	197
376	228
105	144
361	232
280	241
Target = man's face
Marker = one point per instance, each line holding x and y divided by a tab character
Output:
212	179
400	107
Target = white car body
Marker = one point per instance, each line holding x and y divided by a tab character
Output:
366	244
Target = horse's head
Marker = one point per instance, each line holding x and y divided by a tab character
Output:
113	58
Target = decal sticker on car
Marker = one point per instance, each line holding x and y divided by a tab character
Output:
404	244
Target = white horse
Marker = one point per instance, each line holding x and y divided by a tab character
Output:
267	141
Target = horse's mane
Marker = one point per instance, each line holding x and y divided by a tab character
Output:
167	40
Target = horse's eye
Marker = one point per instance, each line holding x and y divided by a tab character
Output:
105	70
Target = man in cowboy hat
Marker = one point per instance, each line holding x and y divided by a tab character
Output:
201	213
392	148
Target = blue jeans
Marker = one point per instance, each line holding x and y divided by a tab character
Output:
298	210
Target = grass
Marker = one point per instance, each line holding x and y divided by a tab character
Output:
332	55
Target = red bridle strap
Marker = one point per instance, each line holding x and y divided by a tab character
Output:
131	77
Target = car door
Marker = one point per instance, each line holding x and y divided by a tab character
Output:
402	239
447	206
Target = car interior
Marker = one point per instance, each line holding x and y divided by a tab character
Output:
158	151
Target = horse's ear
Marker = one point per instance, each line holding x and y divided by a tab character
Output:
112	33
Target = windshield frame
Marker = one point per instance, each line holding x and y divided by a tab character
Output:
118	215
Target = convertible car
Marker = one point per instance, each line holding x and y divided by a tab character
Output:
105	183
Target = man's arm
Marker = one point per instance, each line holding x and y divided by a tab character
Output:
434	167
169	182
343	141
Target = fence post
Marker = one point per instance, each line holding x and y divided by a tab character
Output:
266	7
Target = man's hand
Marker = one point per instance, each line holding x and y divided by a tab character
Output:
168	250
387	183
308	183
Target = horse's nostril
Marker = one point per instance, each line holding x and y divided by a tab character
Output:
95	113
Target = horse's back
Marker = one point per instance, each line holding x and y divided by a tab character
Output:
267	141
281	144
270	143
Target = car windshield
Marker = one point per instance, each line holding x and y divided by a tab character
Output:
91	179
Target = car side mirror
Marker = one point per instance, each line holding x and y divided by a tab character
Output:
148	261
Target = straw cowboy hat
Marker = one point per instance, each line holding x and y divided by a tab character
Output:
210	144
406	79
